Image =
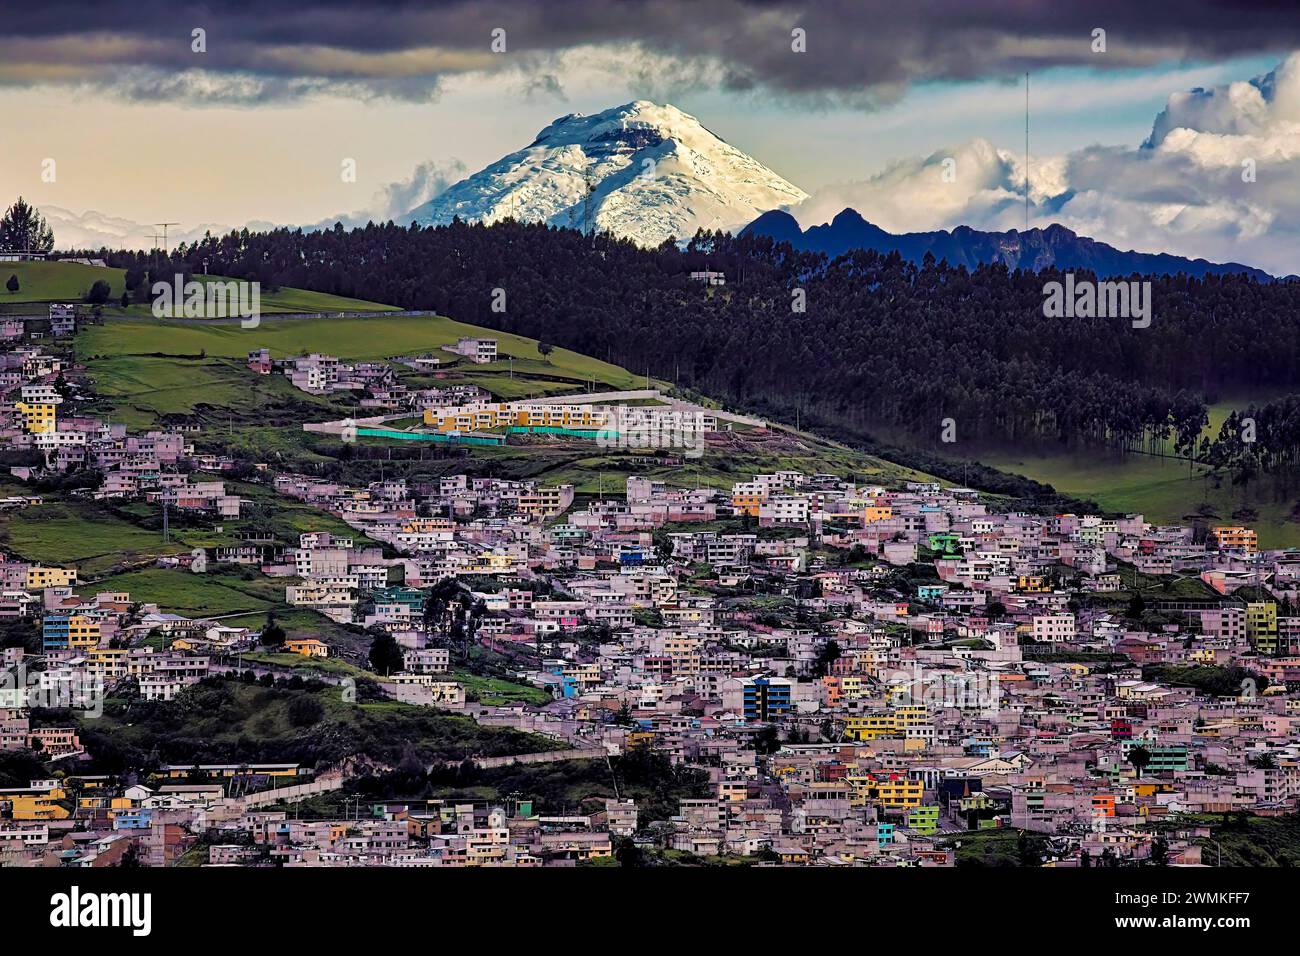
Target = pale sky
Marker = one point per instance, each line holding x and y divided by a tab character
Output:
152	162
142	126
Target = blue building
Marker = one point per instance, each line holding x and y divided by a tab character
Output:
56	632
135	819
765	698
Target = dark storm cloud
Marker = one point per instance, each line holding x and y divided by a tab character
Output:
855	50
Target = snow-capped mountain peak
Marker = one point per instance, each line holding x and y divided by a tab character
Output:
644	171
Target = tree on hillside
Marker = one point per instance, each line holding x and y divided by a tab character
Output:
99	292
12	284
437	606
1160	851
1136	608
305	710
385	654
132	857
272	634
827	655
23	229
544	349
1029	850
627	853
1139	757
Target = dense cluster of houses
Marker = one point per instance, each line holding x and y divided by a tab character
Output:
374	385
230	819
143	467
856	673
841	673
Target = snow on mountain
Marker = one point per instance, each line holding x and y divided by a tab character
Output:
653	172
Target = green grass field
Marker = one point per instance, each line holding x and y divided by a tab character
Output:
1163	489
97	537
146	371
495	692
508	388
592	470
41	282
140	391
299	662
83	536
180	591
1160	489
370	339
349	645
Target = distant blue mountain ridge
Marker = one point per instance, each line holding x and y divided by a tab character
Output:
1037	249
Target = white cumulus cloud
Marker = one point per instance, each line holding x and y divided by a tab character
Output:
1217	178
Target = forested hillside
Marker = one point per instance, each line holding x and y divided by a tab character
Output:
882	345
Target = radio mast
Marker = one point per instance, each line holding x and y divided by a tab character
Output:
1026	151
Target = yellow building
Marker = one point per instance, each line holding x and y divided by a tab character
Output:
559	416
39	578
1261	626
37	418
214	770
105	802
1032	584
35	803
489	562
1235	539
893	794
748	503
427	525
307	647
871	726
853	686
546	502
480	416
83	632
909	717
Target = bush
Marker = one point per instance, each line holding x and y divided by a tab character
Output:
305	710
99	292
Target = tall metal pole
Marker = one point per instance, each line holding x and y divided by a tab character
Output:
164	229
1026	151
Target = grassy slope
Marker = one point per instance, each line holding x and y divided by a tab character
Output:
78	534
1160	489
372	339
139	388
184	592
41	282
1163	489
146	369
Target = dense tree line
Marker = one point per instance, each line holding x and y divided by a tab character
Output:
1262	438
881	347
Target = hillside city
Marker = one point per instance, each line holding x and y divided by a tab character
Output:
798	667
